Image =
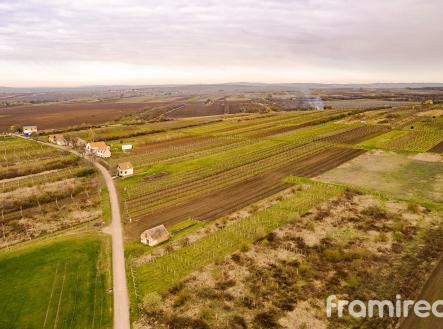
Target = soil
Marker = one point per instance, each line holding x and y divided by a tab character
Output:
239	195
64	115
437	148
357	135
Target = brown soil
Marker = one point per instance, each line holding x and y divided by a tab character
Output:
284	129
241	194
170	143
357	135
67	114
437	148
431	292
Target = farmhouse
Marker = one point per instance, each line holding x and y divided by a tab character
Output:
29	130
100	149
76	142
155	235
125	169
103	152
58	139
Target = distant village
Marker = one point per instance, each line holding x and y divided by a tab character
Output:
99	149
150	237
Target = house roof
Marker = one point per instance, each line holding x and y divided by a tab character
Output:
98	145
125	165
29	127
58	137
157	233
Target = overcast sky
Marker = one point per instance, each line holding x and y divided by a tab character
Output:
84	42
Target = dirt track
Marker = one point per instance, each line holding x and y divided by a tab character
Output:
239	195
437	148
431	292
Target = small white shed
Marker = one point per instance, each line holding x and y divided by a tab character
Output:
125	169
126	147
155	235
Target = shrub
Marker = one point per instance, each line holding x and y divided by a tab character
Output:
225	284
85	172
237	322
266	320
179	322
413	207
151	302
333	255
382	237
375	212
245	247
182	297
398	236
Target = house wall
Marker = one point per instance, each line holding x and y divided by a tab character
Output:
127	172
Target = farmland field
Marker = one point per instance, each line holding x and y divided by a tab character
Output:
232	162
62	115
60	283
410	177
223	184
43	191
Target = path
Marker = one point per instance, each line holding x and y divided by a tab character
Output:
120	288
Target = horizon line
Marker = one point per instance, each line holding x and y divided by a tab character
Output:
220	83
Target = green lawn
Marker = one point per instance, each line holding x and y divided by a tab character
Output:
58	284
402	176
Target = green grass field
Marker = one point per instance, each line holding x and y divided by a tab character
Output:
57	284
399	175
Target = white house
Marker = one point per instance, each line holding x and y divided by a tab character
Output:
92	147
103	152
126	147
29	130
155	235
100	149
125	169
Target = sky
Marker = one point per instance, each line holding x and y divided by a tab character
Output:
89	42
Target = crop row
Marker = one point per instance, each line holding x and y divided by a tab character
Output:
164	272
215	163
57	175
138	206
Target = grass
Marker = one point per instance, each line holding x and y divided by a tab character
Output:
166	271
106	204
58	284
411	140
399	175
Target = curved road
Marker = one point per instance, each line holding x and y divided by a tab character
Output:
120	288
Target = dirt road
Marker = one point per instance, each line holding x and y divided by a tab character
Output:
121	299
432	291
120	288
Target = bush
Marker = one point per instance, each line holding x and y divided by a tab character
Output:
266	320
245	247
85	172
151	302
179	322
375	212
333	255
182	297
237	322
